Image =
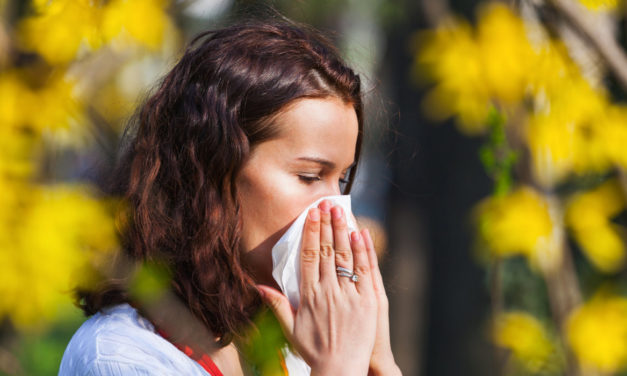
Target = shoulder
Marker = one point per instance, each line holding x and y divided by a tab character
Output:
118	341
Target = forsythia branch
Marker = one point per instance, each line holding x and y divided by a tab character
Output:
604	43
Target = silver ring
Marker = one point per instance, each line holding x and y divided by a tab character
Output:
342	269
343	272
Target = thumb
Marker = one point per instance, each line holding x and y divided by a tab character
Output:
280	306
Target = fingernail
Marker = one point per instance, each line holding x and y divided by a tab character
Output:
325	206
355	236
314	214
336	212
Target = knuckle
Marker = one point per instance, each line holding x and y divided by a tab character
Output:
362	270
274	304
358	249
343	256
339	223
326	250
309	255
313	227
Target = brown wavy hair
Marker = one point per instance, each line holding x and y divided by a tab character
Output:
186	145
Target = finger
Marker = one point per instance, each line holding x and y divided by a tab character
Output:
327	254
310	253
343	252
361	264
377	279
280	306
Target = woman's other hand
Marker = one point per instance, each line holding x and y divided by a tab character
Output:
382	360
335	325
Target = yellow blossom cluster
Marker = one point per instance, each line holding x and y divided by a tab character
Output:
578	132
567	128
52	234
570	127
588	216
526	338
60	30
51	106
525	223
600	4
597	333
473	67
49	240
520	223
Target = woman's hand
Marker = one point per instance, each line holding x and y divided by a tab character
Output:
335	324
382	360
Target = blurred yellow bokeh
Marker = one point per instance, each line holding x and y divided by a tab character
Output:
48	246
597	333
601	4
588	216
64	30
526	338
54	235
520	223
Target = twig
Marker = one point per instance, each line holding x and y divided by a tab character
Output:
604	43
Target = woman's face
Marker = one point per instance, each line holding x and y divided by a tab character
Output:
308	159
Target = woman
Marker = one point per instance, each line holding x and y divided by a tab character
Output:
252	125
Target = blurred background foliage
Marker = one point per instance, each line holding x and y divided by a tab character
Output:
505	239
537	88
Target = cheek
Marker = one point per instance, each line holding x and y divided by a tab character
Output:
270	201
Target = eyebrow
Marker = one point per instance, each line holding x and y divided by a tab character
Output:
324	162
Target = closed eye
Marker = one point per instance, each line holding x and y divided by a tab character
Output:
309	178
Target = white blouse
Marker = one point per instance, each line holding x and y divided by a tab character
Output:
118	341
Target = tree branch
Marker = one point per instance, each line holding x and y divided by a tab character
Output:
604	42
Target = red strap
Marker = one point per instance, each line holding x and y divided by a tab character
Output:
204	360
207	363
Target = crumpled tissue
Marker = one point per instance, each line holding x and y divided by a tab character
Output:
286	252
286	267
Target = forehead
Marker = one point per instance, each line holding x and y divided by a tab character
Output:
319	126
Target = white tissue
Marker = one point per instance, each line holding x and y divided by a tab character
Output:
286	252
286	268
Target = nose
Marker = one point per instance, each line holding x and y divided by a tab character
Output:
329	189
333	189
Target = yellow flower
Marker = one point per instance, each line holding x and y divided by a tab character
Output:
50	107
597	333
552	67
520	223
614	132
45	252
497	64
61	28
143	21
600	4
506	54
565	135
525	337
55	106
16	101
16	164
588	216
459	91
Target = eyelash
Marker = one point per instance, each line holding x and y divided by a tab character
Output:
311	179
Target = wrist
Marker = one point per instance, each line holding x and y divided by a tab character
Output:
388	368
338	368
